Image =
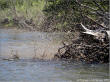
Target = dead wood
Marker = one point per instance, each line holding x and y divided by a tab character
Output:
87	48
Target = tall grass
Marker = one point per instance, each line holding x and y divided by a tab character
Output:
29	9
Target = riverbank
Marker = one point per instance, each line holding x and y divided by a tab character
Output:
48	46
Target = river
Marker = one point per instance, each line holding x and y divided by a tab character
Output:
36	52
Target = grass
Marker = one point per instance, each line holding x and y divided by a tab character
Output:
29	9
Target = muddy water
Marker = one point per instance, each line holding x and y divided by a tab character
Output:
42	45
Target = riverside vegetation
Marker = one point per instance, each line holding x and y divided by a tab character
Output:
64	16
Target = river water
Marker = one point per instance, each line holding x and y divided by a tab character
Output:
36	51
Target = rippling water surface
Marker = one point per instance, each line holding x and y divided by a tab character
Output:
50	71
41	46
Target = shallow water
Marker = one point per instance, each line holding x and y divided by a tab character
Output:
51	71
27	45
42	45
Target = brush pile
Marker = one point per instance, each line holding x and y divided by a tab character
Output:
86	48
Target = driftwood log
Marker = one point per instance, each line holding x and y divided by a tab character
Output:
99	34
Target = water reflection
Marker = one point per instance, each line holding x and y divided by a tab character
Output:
27	45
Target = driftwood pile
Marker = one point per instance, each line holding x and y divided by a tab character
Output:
86	48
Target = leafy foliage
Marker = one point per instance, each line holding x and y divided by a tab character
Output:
4	4
56	14
71	12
